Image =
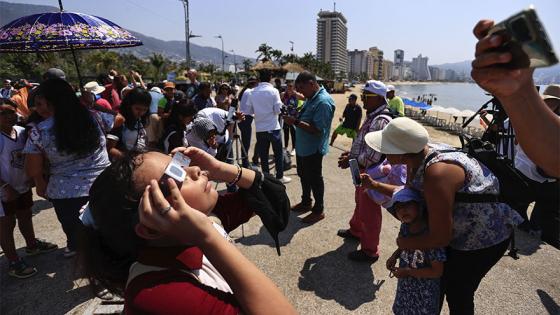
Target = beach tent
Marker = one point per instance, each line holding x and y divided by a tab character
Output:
420	105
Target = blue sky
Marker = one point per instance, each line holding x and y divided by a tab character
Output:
439	29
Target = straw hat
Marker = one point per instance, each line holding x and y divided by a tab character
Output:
402	135
94	87
552	91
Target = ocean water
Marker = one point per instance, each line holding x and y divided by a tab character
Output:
459	95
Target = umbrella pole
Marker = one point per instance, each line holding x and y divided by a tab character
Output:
77	66
73	53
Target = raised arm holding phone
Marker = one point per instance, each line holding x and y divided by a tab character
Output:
537	128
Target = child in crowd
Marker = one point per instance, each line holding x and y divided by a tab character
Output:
15	194
419	271
383	173
131	134
202	134
350	119
175	126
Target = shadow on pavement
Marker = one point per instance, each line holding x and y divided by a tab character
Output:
548	302
333	277
285	237
51	291
40	205
526	243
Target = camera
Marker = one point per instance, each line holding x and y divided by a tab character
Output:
526	39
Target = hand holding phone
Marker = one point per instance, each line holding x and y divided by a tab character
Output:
355	171
525	38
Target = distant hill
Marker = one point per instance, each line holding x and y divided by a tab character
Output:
175	50
542	75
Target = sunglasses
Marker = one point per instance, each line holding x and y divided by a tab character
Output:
366	95
176	171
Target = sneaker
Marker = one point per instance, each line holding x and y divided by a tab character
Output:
302	207
361	256
41	247
313	218
68	253
285	180
346	234
19	269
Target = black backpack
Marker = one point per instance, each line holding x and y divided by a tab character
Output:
514	188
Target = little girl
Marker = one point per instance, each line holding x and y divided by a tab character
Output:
419	271
130	135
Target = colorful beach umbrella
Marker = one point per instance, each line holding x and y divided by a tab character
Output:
59	31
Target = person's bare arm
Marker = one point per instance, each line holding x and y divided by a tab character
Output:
369	183
441	182
308	127
254	291
432	272
537	128
33	166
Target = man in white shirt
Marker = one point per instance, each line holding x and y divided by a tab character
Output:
7	90
545	218
264	102
245	126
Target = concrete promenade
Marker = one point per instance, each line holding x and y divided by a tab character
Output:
313	271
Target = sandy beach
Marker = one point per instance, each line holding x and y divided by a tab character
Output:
313	271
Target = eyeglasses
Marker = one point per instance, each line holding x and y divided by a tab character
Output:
176	171
366	95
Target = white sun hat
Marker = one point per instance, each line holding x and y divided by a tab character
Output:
402	135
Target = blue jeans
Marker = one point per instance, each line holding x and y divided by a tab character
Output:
264	139
246	129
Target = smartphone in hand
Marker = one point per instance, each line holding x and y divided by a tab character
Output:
526	39
355	170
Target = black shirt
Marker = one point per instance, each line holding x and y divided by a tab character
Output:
352	116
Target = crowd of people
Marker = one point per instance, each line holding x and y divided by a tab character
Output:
129	166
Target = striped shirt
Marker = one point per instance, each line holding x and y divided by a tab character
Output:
366	156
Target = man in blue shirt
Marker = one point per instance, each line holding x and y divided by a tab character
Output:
313	128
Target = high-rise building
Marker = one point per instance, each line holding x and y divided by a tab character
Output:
332	40
420	68
359	61
387	70
398	65
377	63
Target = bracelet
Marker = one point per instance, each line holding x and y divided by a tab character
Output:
237	177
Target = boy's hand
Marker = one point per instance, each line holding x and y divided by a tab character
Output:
367	181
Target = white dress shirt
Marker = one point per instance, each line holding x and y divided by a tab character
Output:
264	102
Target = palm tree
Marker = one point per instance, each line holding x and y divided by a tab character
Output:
265	52
293	58
157	61
276	54
247	65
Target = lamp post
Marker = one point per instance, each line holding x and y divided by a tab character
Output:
292	48
234	64
223	58
187	33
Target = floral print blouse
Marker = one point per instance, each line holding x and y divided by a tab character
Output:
475	225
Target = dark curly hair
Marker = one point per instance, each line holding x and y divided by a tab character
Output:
136	96
107	251
76	131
